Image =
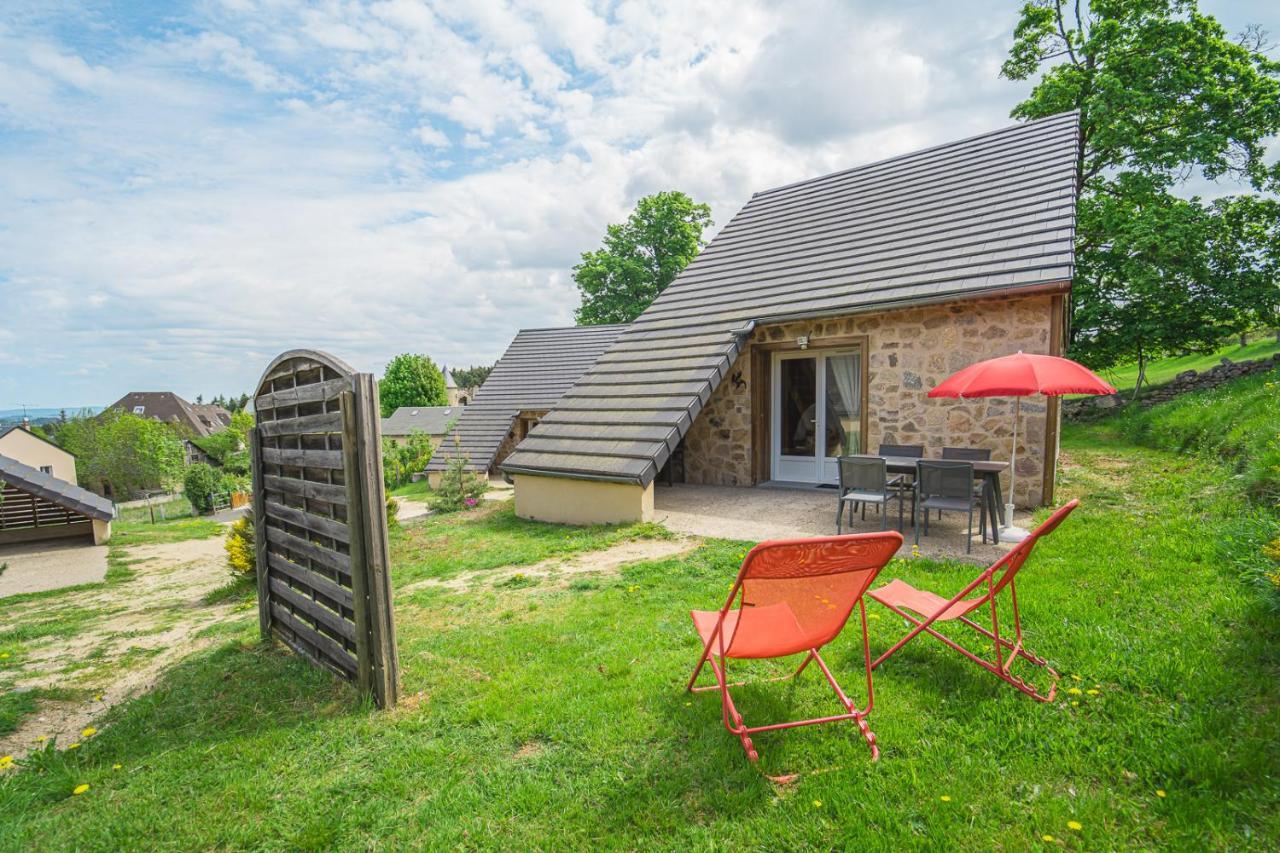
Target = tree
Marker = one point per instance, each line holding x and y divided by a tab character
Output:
199	483
401	461
121	450
411	380
472	377
640	258
1163	94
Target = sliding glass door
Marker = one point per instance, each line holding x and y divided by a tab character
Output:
817	413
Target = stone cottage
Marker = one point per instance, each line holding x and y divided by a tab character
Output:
814	325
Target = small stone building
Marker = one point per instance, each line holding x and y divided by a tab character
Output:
814	325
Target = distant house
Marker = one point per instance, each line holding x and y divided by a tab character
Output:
166	406
454	395
814	325
21	444
529	379
433	421
195	420
38	505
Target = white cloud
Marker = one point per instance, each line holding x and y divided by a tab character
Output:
181	202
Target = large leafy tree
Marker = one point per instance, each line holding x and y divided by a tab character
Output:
411	380
640	257
1164	94
126	452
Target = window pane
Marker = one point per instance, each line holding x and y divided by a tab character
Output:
799	391
844	405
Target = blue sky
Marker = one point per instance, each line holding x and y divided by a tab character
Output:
188	189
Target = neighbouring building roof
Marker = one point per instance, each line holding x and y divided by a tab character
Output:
49	487
538	367
982	216
169	407
432	420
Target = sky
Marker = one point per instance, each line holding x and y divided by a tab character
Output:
188	189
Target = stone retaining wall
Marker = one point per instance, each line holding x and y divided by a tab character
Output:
1091	408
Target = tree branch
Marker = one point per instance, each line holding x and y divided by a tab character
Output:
1062	29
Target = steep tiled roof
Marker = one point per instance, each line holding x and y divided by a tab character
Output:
168	407
432	420
538	367
49	487
985	215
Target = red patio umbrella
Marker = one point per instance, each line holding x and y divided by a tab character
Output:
1021	375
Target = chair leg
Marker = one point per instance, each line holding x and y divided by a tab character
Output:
968	539
884	516
839	515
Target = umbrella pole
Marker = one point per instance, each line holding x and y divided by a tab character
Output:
1009	532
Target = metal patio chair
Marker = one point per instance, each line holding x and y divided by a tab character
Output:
793	596
865	480
924	609
947	486
912	451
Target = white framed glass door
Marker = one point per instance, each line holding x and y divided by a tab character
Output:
816	413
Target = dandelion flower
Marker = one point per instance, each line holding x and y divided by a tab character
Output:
42	738
1092	692
1160	793
1075	825
89	732
5	761
116	766
1047	837
75	745
945	798
1074	691
1076	678
98	698
1075	703
80	789
817	804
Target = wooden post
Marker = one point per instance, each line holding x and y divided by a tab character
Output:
376	542
358	526
260	531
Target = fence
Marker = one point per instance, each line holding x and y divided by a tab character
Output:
320	519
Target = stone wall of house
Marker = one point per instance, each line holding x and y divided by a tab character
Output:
520	427
909	351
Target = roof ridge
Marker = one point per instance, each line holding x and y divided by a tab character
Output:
955	143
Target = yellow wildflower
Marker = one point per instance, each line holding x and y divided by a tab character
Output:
80	789
1074	691
1160	793
75	745
945	798
116	766
5	761
4	655
1092	692
1075	825
98	698
42	738
1048	838
1075	703
89	732
817	804
1076	678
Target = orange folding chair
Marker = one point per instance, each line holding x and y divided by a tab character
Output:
923	609
793	596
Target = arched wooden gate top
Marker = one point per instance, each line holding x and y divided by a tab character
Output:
296	361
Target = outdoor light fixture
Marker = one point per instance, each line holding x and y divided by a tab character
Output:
803	342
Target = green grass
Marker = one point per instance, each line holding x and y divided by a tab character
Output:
420	490
547	715
1237	423
1163	370
174	530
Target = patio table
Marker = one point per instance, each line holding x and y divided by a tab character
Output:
987	470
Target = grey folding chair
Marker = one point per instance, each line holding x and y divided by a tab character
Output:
865	480
968	454
947	486
914	451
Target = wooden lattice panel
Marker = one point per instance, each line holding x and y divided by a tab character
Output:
320	520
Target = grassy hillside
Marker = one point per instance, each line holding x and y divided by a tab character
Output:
1237	423
1165	369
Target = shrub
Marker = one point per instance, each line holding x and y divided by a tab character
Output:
393	511
199	484
401	461
459	488
241	555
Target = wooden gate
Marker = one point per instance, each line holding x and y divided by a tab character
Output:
320	521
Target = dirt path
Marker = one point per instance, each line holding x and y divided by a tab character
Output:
607	561
119	638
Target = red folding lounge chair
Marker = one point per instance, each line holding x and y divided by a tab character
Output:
906	600
793	596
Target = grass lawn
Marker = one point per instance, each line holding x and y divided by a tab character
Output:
551	714
1164	369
